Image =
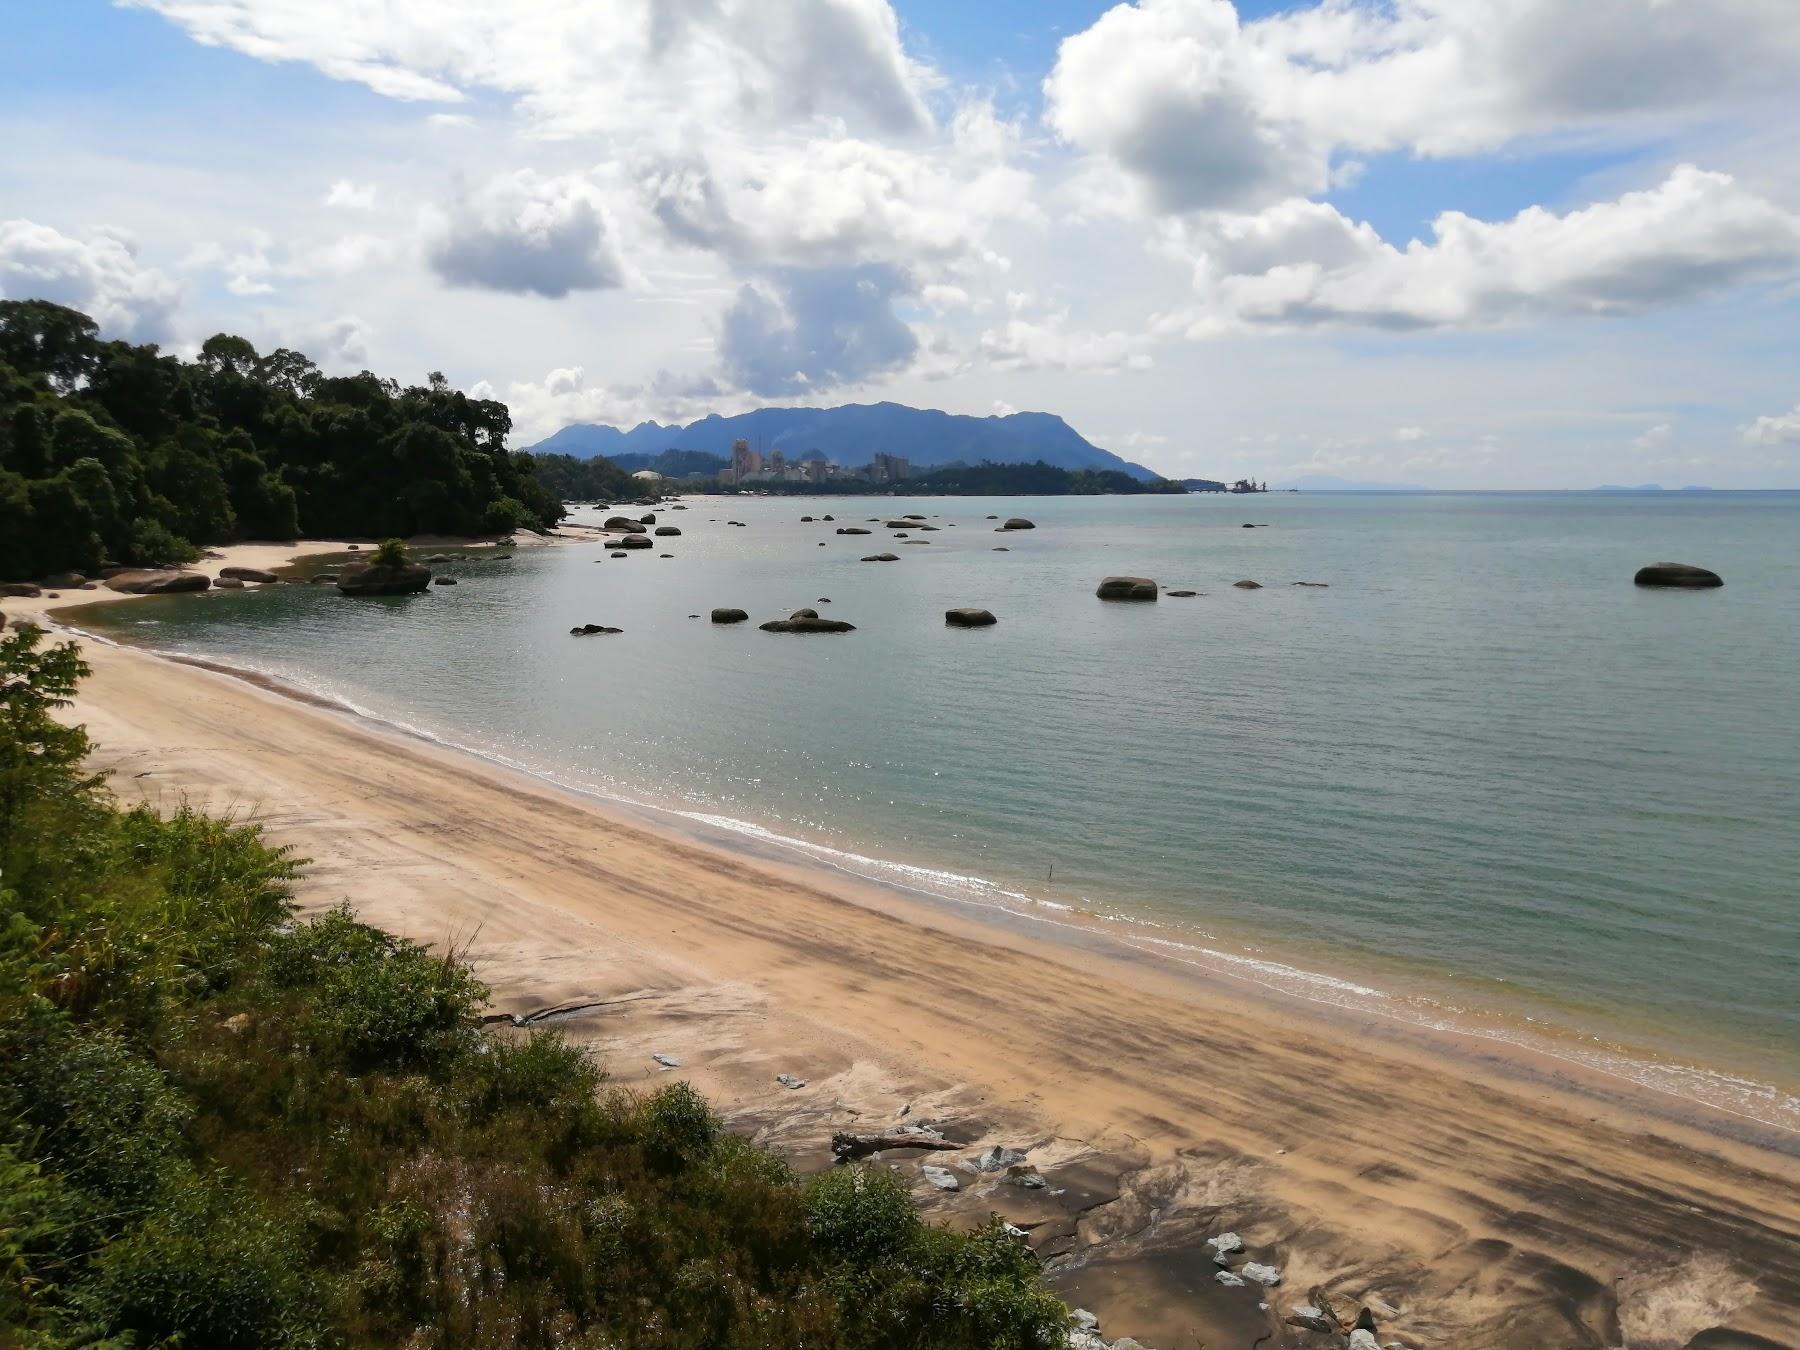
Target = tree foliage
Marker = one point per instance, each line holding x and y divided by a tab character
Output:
111	451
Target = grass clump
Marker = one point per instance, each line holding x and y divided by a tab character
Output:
223	1126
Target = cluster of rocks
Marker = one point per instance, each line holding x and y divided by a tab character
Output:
592	629
1086	1335
1323	1311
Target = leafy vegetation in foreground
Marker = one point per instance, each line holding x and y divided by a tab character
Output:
111	451
221	1127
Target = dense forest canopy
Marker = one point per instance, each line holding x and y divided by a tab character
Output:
111	451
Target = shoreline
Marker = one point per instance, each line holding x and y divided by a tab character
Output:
1139	1136
1716	1100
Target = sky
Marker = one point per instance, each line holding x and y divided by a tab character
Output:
1453	243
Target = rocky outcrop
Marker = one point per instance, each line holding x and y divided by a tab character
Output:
882	557
1682	575
941	1177
851	529
362	578
806	625
1248	585
255	574
158	582
1017	523
593	630
625	523
1127	588
729	616
969	618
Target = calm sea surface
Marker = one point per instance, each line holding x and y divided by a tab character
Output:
1478	779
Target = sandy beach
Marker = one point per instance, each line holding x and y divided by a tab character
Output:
1468	1196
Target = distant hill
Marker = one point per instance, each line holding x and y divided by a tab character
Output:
1202	485
851	435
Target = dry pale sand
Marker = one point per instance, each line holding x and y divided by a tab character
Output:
1468	1200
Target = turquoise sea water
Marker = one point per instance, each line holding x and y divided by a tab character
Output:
1478	779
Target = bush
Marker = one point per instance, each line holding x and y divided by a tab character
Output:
390	553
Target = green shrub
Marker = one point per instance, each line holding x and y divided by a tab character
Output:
390	553
210	1268
375	1001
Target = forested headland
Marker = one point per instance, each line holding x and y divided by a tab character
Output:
118	452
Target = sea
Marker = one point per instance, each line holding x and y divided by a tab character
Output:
1469	777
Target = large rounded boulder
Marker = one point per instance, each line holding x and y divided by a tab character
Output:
368	578
882	557
1127	588
729	616
969	618
1018	523
634	541
158	582
1683	575
666	531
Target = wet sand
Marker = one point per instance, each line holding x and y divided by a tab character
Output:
1468	1195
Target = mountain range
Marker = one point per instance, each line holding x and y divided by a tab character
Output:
851	435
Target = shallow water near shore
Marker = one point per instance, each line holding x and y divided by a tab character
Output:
1478	780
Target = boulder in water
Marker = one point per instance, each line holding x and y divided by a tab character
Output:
443	581
729	616
805	625
1127	588
363	578
882	557
969	618
851	529
1248	585
1017	523
633	541
1682	575
667	531
228	584
593	630
1181	595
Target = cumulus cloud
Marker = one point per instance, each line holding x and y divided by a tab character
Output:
1303	264
258	264
528	235
339	344
802	329
1779	429
99	275
1205	112
579	67
838	202
1050	343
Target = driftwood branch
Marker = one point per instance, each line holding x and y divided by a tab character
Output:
845	1146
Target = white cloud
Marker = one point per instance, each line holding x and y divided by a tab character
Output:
1049	343
575	66
1779	429
1407	435
524	233
99	275
351	196
1693	234
258	265
1204	111
1653	437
